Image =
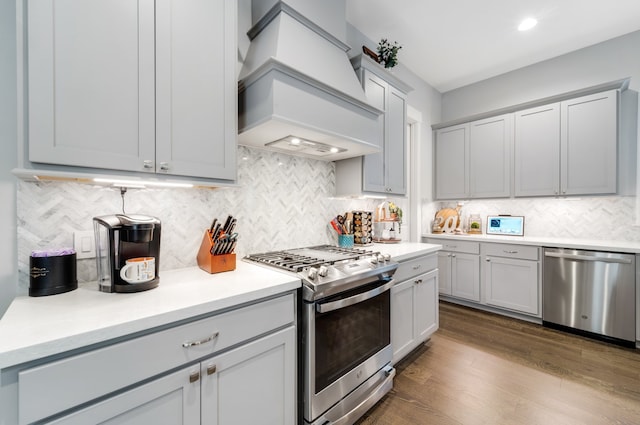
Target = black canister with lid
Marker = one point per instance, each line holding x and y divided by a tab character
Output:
52	272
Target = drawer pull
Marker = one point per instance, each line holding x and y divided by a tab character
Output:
211	369
200	342
418	281
417	267
194	377
509	252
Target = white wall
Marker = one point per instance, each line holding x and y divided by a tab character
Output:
8	159
608	61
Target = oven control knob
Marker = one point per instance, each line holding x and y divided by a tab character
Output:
323	271
387	257
374	259
381	258
313	272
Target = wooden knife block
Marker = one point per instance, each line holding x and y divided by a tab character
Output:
214	263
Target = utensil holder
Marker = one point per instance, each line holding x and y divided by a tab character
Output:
345	241
214	263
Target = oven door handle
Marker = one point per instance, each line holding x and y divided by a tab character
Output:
346	302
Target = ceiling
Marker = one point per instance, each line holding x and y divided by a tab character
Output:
450	44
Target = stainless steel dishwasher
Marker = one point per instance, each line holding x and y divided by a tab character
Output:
590	291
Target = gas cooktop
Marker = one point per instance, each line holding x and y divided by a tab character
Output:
328	270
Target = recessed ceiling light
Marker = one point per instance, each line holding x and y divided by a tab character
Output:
527	24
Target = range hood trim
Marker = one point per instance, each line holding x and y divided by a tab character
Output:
274	64
283	7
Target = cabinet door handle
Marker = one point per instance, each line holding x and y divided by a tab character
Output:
418	281
194	377
200	342
211	369
453	255
164	166
488	260
148	164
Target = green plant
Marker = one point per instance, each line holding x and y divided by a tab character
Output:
475	225
394	209
388	53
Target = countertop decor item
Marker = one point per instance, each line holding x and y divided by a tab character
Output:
388	53
387	223
447	220
475	224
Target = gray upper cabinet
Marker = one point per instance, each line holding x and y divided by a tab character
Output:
451	162
568	148
588	142
473	160
490	142
578	143
383	172
133	86
537	151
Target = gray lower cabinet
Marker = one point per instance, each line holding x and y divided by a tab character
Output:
414	305
511	277
215	391
141	86
231	368
459	267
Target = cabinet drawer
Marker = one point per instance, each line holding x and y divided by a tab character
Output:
408	269
522	252
457	245
78	379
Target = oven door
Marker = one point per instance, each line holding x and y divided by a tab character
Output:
347	341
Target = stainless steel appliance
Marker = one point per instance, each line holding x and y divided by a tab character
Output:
123	239
345	328
591	292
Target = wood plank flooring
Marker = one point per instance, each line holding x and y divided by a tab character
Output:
482	368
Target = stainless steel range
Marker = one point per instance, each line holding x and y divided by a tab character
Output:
345	328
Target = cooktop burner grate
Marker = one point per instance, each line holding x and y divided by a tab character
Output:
297	260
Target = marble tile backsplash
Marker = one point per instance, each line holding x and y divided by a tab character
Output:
282	202
605	217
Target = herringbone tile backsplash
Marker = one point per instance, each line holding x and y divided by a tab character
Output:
283	202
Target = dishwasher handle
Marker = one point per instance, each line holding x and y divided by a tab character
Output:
588	258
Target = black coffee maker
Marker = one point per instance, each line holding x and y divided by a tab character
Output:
127	252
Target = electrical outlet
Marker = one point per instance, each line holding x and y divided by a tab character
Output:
84	244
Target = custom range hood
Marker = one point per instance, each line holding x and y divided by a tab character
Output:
298	92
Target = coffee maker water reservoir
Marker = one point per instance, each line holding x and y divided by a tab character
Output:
127	252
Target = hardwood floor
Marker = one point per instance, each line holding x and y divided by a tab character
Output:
482	368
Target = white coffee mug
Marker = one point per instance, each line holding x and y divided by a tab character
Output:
139	270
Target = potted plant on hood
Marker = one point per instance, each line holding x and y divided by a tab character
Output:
388	53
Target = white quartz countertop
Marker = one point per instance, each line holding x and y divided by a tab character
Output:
572	243
37	327
405	250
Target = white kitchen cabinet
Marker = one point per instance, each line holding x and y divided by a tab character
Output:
473	160
414	305
248	351
511	277
383	172
459	268
537	151
589	135
133	86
